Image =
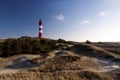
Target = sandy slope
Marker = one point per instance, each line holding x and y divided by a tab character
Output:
79	63
16	63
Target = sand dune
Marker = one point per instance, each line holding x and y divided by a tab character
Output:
81	62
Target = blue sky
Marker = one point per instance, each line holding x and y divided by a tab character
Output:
77	20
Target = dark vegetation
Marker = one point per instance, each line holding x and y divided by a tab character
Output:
88	42
29	45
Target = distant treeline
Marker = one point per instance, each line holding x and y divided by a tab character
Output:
28	45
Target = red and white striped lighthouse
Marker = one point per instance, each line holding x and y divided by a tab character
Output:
40	29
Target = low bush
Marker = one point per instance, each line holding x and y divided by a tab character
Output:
26	45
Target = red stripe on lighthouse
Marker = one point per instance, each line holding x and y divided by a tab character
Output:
40	35
40	28
40	22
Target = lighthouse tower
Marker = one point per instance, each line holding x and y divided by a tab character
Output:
40	29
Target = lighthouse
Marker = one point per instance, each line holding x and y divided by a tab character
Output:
40	29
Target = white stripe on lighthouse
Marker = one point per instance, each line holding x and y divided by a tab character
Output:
41	31
41	26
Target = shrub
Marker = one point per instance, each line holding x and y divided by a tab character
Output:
88	42
26	45
61	41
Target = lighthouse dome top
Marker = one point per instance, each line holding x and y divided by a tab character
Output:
40	22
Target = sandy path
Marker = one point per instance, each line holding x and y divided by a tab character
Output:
6	71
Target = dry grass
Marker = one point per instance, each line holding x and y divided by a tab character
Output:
112	47
93	51
2	40
58	75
